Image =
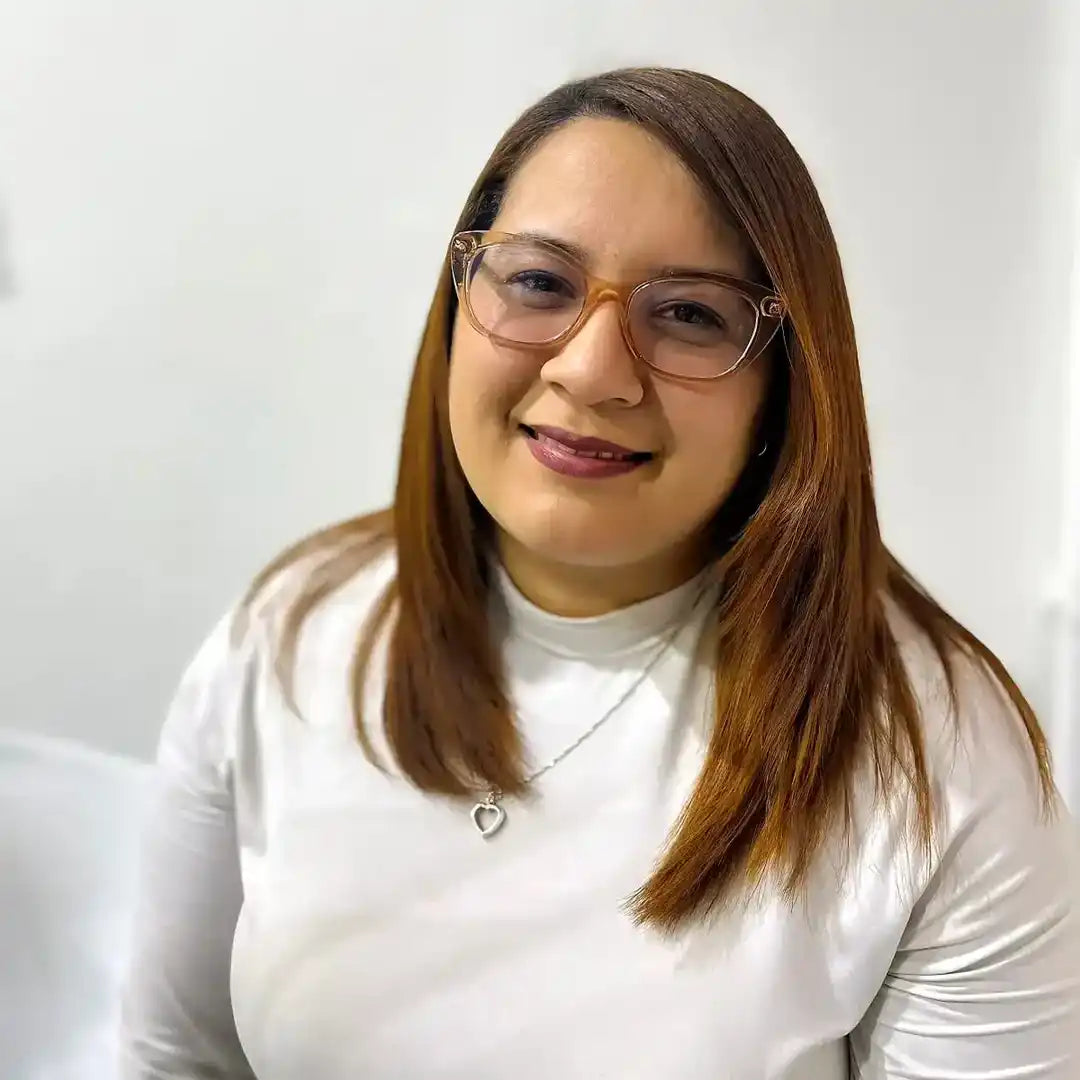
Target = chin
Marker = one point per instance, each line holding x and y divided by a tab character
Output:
593	548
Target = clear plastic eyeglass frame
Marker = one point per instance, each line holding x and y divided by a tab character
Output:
769	308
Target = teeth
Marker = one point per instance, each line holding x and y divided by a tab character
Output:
603	455
600	455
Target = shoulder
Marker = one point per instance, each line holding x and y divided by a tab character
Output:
1001	858
993	928
986	798
978	748
993	821
332	576
307	617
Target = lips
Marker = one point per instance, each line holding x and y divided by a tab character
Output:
581	457
585	446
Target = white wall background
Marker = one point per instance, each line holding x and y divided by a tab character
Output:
221	223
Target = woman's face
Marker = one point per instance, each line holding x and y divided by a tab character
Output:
617	194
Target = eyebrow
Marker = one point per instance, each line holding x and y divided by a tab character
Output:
582	255
575	251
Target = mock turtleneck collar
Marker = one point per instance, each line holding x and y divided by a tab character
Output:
597	636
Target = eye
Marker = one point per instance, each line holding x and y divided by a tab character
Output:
541	281
690	314
540	288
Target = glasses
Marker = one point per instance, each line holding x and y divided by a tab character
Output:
529	293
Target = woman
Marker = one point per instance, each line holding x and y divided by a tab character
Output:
620	746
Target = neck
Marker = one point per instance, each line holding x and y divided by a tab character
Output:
587	591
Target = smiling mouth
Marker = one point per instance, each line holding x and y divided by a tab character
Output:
582	447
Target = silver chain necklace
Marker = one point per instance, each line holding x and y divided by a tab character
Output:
489	816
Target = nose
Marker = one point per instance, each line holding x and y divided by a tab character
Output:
596	365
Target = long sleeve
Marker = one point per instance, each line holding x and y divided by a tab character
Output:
177	1014
986	981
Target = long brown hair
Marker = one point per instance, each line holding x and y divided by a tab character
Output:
809	677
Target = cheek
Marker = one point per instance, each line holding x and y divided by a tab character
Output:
715	431
485	387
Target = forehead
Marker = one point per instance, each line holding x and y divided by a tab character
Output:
616	191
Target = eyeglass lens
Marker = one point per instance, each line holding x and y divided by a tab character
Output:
525	292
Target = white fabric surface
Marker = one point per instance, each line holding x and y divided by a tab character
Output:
70	821
374	934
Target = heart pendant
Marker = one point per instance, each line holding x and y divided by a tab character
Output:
488	817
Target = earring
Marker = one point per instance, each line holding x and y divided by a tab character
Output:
764	448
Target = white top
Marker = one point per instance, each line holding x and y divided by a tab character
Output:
374	934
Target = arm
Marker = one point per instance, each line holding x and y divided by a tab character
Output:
177	1015
986	981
